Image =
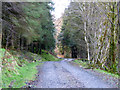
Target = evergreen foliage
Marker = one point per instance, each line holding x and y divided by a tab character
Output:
28	26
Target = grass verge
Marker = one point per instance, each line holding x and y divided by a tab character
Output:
82	63
85	64
111	74
24	74
17	68
46	56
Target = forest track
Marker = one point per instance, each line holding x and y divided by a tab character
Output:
62	74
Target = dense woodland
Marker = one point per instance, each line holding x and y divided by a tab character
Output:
27	26
92	31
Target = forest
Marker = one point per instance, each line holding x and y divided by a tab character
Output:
90	32
27	26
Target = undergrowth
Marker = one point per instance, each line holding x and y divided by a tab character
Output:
103	71
18	79
19	67
85	64
46	56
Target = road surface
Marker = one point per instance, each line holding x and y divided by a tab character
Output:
61	74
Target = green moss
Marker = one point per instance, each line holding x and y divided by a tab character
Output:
103	71
86	65
1	53
25	73
46	56
1	56
82	63
19	68
16	71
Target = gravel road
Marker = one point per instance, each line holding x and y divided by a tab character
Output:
61	74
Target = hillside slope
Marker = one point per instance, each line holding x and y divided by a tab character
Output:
19	67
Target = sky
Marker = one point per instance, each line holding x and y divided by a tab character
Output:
60	6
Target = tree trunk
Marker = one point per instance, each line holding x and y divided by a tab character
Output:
112	43
12	38
74	51
0	38
0	24
88	50
18	42
22	43
118	9
0	43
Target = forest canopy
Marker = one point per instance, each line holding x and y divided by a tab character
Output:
28	26
91	31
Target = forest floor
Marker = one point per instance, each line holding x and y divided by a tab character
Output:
64	74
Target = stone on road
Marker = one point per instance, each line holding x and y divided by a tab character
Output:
61	74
